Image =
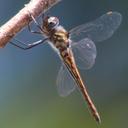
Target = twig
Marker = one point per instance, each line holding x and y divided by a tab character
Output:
22	18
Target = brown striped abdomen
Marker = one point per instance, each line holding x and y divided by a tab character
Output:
71	66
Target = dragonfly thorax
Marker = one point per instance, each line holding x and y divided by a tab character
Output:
60	38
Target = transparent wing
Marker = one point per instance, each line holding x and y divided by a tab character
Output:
98	30
65	82
84	52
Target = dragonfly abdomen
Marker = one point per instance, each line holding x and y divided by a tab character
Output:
71	66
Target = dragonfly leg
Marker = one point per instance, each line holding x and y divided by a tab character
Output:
42	16
37	24
30	30
28	46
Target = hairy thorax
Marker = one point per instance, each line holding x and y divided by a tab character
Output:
60	38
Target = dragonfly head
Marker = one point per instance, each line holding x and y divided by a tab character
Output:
50	23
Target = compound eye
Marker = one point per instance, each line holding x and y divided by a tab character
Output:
53	22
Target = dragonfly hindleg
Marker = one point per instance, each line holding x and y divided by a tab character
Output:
25	46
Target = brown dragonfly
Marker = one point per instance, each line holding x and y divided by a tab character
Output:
75	48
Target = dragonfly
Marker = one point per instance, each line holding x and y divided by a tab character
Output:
76	49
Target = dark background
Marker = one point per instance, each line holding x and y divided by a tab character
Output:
28	96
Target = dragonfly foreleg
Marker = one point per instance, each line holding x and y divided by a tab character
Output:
37	24
32	31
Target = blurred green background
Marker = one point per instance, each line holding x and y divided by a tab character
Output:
28	96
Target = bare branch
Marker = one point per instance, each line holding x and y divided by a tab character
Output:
21	19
